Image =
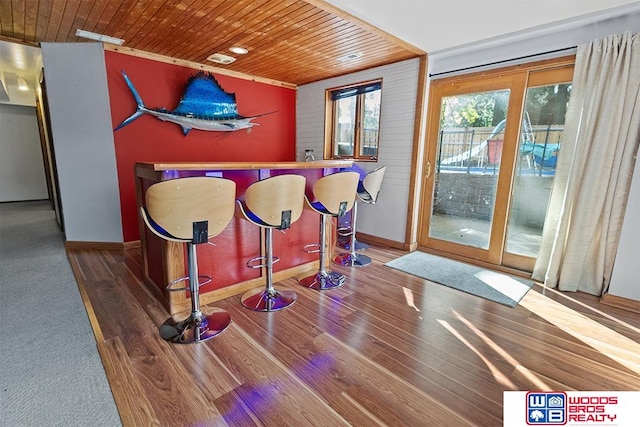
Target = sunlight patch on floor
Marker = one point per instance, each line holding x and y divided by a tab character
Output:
408	296
598	336
502	283
533	378
497	374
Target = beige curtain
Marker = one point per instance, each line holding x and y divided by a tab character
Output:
594	169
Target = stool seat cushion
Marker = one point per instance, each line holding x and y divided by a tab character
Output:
154	226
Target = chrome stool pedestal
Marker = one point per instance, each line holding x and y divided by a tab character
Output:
267	299
344	232
199	326
352	258
322	279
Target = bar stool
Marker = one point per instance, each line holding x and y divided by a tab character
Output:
333	196
368	190
272	203
191	210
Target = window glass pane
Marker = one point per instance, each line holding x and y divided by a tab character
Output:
371	124
344	126
469	153
540	142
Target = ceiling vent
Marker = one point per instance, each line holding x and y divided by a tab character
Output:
99	37
220	58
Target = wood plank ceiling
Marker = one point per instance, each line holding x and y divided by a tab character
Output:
291	41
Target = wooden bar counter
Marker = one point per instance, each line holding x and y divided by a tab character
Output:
225	262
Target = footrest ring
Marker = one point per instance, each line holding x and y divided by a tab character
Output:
307	248
261	259
201	282
344	232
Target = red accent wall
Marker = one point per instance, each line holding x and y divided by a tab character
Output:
161	85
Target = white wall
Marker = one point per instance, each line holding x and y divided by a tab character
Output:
545	38
387	218
76	81
625	279
21	165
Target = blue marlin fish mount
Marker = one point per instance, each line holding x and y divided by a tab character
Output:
204	105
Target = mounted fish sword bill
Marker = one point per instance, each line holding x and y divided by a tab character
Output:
204	106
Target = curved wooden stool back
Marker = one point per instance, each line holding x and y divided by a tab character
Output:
333	195
265	200
370	188
191	210
272	203
335	192
176	204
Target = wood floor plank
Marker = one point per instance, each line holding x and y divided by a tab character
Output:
272	391
301	359
235	411
91	264
178	398
476	404
330	315
388	397
445	352
133	404
354	412
201	364
117	310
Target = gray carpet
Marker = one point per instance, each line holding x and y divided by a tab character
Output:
50	370
488	284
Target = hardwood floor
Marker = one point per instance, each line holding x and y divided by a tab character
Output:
387	348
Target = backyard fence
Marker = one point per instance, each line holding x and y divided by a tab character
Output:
470	148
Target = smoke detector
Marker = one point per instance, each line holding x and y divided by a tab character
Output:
221	58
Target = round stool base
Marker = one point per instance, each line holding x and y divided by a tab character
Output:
195	329
352	260
346	244
261	300
323	280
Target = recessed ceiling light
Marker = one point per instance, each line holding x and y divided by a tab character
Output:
98	37
239	50
349	57
221	58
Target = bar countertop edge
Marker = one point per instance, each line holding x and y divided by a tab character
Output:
243	165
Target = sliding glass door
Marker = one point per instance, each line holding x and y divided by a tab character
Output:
545	106
492	145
